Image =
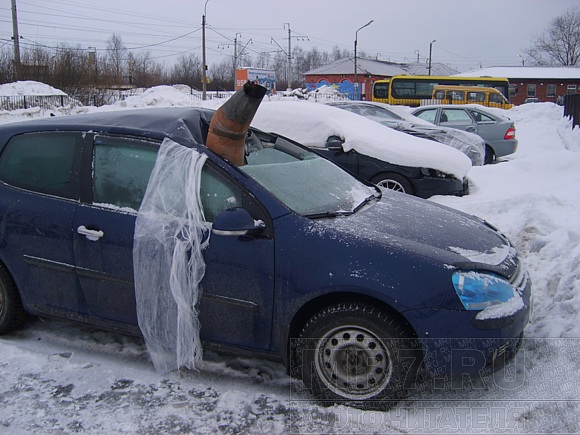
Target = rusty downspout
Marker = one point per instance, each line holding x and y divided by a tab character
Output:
229	124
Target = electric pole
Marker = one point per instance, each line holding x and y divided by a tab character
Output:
16	38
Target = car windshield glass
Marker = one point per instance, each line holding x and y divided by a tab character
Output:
308	184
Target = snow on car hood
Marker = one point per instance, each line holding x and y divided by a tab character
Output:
430	229
311	124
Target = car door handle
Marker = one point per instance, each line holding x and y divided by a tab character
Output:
93	235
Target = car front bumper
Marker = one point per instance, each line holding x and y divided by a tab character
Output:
427	187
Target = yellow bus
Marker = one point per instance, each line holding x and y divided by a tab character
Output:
410	90
485	96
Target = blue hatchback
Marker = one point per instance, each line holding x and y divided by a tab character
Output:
352	287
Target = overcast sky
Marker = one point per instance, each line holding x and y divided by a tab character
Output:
469	33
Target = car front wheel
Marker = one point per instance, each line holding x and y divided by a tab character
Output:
395	182
357	355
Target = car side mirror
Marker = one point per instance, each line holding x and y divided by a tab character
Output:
334	143
235	222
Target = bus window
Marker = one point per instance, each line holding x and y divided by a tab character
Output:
476	97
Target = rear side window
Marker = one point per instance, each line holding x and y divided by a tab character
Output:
43	163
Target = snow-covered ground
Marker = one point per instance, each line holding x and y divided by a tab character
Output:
57	377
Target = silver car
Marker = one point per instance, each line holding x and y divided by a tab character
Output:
402	120
497	131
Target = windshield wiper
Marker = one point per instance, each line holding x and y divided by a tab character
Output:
328	214
377	195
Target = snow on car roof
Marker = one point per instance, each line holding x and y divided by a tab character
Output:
311	124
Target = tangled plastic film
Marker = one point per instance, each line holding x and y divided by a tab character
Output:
170	234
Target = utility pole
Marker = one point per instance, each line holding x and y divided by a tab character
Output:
236	57
16	38
289	66
430	53
204	66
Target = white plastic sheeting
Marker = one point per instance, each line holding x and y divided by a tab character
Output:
170	234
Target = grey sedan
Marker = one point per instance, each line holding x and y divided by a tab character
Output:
497	131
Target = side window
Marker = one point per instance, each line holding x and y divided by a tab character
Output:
217	193
481	117
122	168
531	90
495	98
42	162
427	115
456	115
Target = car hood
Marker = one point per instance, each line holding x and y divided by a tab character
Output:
431	230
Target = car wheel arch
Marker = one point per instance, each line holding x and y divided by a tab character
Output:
12	312
489	154
316	305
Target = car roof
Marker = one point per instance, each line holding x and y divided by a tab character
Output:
190	123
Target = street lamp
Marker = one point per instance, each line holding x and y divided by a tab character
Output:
430	52
356	95
522	57
203	66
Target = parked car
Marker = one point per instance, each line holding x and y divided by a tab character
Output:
376	153
399	119
497	131
305	264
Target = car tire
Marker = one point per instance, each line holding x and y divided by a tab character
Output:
12	313
354	354
489	155
393	181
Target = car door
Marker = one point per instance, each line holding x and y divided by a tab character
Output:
237	299
457	118
39	193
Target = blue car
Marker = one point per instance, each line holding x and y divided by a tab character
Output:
355	289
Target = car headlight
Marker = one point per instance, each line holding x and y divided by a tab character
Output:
432	173
480	290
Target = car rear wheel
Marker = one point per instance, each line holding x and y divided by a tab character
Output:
489	155
11	312
357	355
393	181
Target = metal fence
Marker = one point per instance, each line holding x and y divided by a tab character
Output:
572	108
14	102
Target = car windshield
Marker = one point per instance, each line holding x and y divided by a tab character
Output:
308	184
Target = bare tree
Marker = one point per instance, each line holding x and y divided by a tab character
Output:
116	58
560	43
187	71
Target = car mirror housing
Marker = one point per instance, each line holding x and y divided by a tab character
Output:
334	143
235	222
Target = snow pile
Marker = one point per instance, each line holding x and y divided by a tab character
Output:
28	87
